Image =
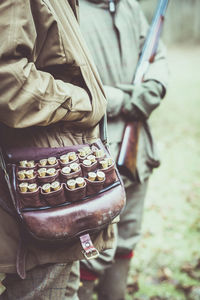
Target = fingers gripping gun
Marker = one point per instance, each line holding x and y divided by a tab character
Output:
126	161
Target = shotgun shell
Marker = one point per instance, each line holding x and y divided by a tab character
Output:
55	185
94	149
99	153
87	150
104	164
52	160
110	161
92	176
42	172
51	172
30	163
91	158
72	156
32	187
87	162
23	187
29	174
43	162
66	170
21	174
64	158
71	184
80	181
100	176
46	188
74	167
23	163
82	152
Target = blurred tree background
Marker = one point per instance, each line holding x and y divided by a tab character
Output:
167	259
182	24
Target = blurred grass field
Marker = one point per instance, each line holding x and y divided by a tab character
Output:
167	260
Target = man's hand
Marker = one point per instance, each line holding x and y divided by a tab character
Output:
130	111
143	99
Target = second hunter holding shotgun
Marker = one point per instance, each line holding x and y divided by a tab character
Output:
115	32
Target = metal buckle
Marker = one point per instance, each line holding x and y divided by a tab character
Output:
89	251
91	254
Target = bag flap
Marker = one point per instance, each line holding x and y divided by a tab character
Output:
77	218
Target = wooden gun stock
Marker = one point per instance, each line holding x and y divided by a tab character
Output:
126	161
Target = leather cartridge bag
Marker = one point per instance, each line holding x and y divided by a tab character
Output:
63	194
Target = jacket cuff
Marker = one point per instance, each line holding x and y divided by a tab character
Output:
147	97
78	102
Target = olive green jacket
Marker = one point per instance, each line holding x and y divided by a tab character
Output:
50	96
116	41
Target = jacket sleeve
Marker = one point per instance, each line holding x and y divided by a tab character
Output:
158	70
141	99
29	96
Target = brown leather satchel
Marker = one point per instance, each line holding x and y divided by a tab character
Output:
60	194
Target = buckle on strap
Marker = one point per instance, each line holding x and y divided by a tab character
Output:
89	251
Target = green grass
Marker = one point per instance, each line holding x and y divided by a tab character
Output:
171	225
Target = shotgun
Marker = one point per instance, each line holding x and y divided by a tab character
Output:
126	160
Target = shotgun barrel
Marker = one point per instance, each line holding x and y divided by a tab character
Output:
126	161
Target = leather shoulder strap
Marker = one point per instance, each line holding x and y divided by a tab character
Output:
103	130
3	203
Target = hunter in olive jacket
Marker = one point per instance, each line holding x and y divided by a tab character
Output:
50	96
116	53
